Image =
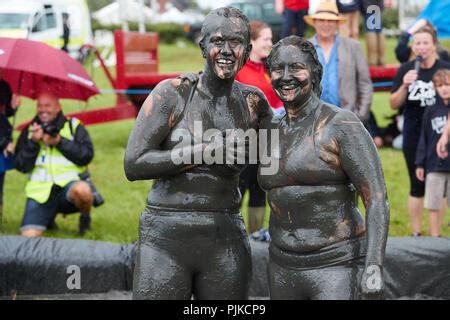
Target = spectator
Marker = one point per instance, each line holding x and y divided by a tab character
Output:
346	81
54	150
414	92
8	106
66	32
428	163
442	145
404	53
326	158
349	10
192	238
254	73
373	26
293	12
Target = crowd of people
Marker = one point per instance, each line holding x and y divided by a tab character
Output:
346	83
414	93
55	150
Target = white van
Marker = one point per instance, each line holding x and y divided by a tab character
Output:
41	20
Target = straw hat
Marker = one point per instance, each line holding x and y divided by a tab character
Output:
326	10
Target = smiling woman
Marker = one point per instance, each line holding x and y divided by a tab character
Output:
192	238
320	246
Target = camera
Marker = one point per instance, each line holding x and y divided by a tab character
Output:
50	128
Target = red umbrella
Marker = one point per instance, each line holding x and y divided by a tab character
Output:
31	66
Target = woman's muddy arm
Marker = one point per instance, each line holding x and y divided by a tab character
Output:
144	157
361	163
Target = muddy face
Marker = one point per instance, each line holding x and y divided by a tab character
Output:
291	77
225	46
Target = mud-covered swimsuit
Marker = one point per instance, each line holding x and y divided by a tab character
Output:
317	232
192	237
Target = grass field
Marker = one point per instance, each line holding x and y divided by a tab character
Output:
117	219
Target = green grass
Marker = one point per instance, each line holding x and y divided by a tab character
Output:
117	220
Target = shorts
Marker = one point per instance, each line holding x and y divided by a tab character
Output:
417	187
184	252
337	254
39	215
330	273
437	184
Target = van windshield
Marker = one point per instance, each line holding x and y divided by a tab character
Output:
13	20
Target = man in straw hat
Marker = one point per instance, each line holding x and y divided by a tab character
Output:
346	81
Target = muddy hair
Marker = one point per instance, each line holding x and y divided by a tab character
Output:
226	12
305	46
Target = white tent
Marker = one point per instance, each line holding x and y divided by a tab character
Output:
176	16
112	13
208	4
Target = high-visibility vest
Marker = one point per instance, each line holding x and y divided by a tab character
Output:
52	167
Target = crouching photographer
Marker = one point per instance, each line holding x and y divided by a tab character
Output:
55	151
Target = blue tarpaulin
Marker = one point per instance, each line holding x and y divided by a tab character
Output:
438	12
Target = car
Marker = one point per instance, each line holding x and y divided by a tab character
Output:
42	20
263	10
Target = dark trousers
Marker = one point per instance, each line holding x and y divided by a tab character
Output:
372	126
248	180
293	19
2	181
417	187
